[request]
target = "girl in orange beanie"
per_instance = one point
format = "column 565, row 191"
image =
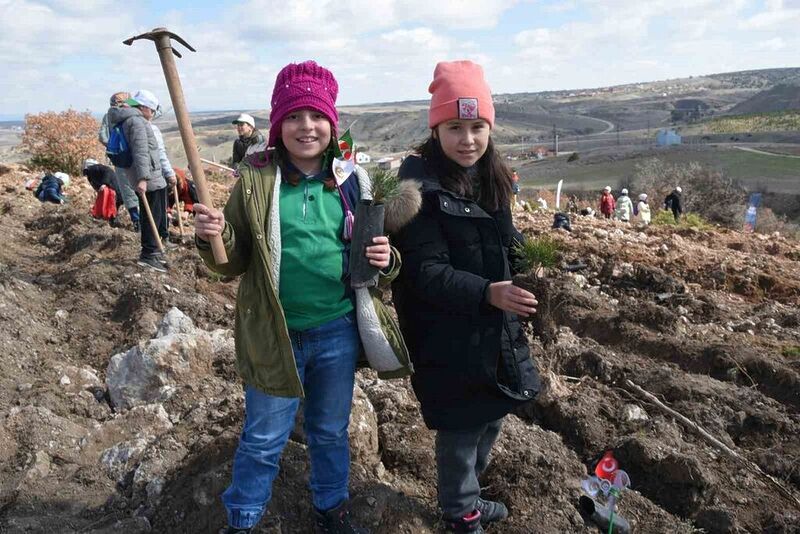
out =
column 454, row 298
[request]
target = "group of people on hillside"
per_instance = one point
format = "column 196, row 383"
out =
column 287, row 229
column 623, row 209
column 147, row 177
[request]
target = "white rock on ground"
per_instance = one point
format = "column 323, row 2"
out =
column 175, row 322
column 364, row 446
column 151, row 371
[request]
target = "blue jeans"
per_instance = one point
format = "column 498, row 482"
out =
column 326, row 360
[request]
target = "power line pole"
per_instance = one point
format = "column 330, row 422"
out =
column 555, row 140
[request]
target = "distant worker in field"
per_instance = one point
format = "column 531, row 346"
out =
column 50, row 188
column 248, row 136
column 624, row 209
column 126, row 192
column 572, row 204
column 514, row 187
column 674, row 202
column 643, row 209
column 607, row 203
column 187, row 192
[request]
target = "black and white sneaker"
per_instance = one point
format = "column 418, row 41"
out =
column 154, row 263
column 491, row 511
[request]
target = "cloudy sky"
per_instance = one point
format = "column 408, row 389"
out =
column 69, row 53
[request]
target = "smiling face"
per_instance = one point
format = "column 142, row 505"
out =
column 306, row 134
column 463, row 141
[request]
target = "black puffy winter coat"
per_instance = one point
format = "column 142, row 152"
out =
column 472, row 362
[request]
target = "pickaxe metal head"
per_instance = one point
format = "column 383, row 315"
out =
column 155, row 36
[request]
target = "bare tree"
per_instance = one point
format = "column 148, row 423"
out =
column 707, row 192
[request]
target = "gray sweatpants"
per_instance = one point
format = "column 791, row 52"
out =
column 461, row 457
column 129, row 197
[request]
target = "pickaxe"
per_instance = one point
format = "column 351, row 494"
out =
column 163, row 40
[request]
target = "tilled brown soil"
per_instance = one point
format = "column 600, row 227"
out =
column 708, row 321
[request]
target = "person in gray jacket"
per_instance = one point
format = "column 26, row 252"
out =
column 127, row 193
column 167, row 171
column 145, row 174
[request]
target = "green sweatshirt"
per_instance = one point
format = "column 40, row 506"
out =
column 312, row 253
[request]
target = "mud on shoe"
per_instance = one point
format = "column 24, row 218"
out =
column 491, row 511
column 336, row 521
column 469, row 523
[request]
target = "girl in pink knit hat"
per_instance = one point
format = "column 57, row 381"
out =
column 454, row 298
column 284, row 229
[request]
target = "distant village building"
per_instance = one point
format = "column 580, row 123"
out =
column 540, row 152
column 668, row 137
column 362, row 157
column 690, row 109
column 389, row 163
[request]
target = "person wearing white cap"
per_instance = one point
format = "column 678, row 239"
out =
column 145, row 173
column 607, row 203
column 624, row 209
column 674, row 202
column 643, row 209
column 248, row 136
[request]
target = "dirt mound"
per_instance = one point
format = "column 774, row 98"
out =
column 782, row 97
column 708, row 321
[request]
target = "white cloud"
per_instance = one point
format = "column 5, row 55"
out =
column 60, row 53
column 772, row 44
column 303, row 19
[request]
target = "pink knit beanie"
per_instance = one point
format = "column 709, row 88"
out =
column 302, row 85
column 459, row 92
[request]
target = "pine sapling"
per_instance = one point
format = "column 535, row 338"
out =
column 533, row 259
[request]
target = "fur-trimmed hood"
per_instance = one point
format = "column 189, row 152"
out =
column 400, row 209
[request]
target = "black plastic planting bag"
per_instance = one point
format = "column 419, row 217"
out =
column 368, row 224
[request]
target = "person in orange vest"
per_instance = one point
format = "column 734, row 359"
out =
column 187, row 193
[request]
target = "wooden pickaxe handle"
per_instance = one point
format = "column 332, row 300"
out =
column 151, row 221
column 162, row 37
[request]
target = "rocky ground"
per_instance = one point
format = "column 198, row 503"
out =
column 120, row 405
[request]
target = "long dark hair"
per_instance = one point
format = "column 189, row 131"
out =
column 494, row 174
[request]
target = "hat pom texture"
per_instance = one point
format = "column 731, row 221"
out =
column 302, row 85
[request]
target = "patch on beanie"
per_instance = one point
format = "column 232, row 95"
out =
column 467, row 108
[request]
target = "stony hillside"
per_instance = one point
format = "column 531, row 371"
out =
column 782, row 97
column 120, row 407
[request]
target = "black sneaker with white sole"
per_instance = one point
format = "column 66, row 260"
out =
column 154, row 263
column 491, row 511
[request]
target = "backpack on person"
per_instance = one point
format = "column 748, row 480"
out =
column 118, row 150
